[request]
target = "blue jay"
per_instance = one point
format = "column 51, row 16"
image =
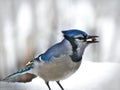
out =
column 61, row 60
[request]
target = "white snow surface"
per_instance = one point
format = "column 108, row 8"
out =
column 90, row 76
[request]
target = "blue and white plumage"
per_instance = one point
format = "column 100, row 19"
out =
column 61, row 60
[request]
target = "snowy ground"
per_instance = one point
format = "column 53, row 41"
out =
column 90, row 76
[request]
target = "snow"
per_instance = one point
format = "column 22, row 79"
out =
column 90, row 76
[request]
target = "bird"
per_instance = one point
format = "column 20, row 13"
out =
column 61, row 60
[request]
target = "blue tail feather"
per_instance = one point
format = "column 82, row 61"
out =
column 27, row 68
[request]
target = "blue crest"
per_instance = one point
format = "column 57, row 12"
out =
column 74, row 32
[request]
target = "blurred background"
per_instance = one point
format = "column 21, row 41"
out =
column 30, row 27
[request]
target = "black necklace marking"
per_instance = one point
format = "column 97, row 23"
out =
column 75, row 57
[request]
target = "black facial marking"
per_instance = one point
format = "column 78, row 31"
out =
column 72, row 42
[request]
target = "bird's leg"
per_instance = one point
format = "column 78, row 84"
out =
column 47, row 83
column 58, row 82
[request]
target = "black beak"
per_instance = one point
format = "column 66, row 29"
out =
column 92, row 39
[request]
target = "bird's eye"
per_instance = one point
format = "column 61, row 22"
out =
column 80, row 38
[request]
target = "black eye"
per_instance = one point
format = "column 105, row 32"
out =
column 80, row 38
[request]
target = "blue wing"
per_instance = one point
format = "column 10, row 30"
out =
column 55, row 51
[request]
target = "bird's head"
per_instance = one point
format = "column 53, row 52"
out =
column 79, row 37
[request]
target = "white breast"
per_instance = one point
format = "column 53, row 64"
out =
column 57, row 69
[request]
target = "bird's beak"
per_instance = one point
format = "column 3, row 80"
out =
column 92, row 39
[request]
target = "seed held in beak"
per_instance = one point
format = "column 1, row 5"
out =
column 93, row 38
